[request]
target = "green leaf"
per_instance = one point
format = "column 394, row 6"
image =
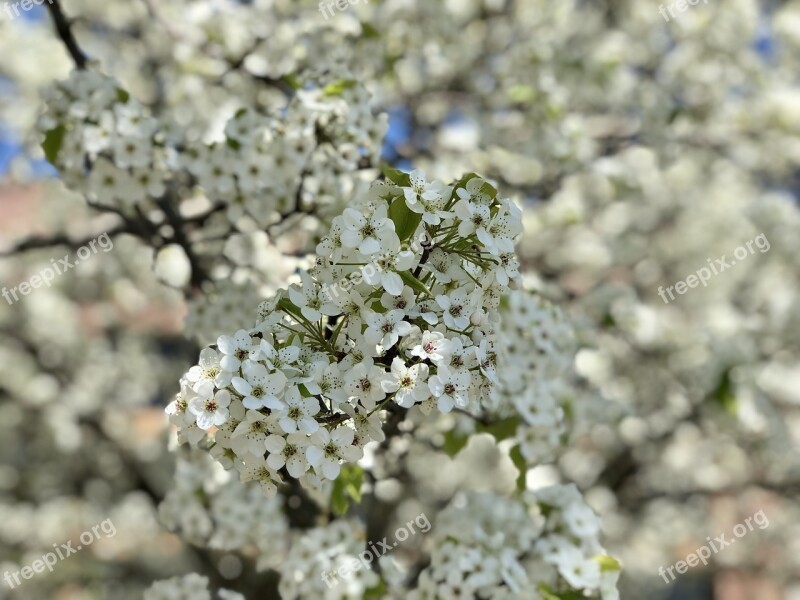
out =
column 466, row 243
column 608, row 563
column 546, row 509
column 522, row 467
column 396, row 176
column 286, row 305
column 724, row 394
column 368, row 31
column 292, row 81
column 53, row 140
column 377, row 592
column 522, row 93
column 465, row 180
column 346, row 487
column 501, row 430
column 676, row 112
column 122, row 95
column 337, row 88
column 405, row 220
column 549, row 594
column 452, row 539
column 232, row 143
column 414, row 283
column 454, row 442
column 201, row 495
column 554, row 111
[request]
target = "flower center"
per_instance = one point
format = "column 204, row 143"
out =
column 331, row 450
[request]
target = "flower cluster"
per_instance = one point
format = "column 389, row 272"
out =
column 261, row 165
column 219, row 306
column 209, row 508
column 108, row 147
column 536, row 348
column 323, row 550
column 569, row 541
column 104, row 143
column 189, row 586
column 545, row 547
column 303, row 391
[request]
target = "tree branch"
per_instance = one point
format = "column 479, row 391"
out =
column 64, row 30
column 59, row 239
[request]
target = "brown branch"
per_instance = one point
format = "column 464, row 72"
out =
column 64, row 30
column 59, row 239
column 199, row 273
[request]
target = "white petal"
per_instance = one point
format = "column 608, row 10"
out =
column 225, row 344
column 446, row 404
column 252, row 402
column 276, row 461
column 275, row 382
column 390, row 385
column 296, row 466
column 369, row 246
column 353, row 219
column 205, row 420
column 343, row 435
column 392, row 283
column 331, row 469
column 290, row 353
column 350, row 239
column 275, row 443
column 288, row 425
column 229, row 363
column 308, row 426
column 314, row 455
column 436, row 386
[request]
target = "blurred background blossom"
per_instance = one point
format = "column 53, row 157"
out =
column 636, row 148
